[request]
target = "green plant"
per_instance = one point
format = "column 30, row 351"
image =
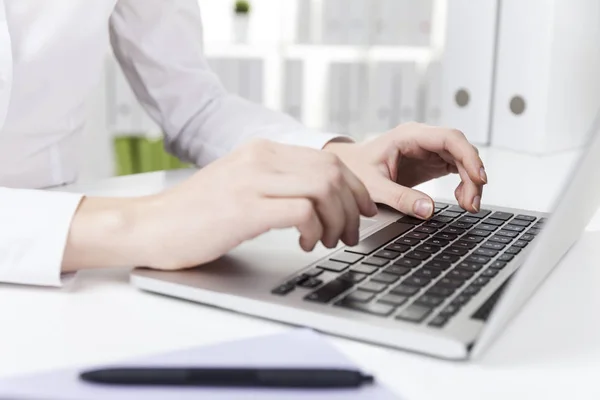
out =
column 242, row 7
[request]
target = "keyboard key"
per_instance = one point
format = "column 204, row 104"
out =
column 486, row 252
column 384, row 277
column 513, row 250
column 451, row 214
column 451, row 258
column 283, row 289
column 469, row 220
column 454, row 231
column 397, row 270
column 417, row 235
column 457, row 209
column 299, row 279
column 504, row 216
column 449, row 283
column 400, row 248
column 437, row 242
column 310, row 283
column 513, row 228
column 371, row 243
column 379, row 309
column 428, row 248
column 414, row 313
column 427, row 273
column 538, row 225
column 426, row 229
column 376, row 261
column 520, row 243
column 364, row 269
column 314, row 272
column 461, row 225
column 489, row 273
column 500, row 239
column 429, row 301
column 459, row 274
column 434, row 224
column 407, row 262
column 481, row 281
column 469, row 266
column 347, row 257
column 533, row 231
column 460, row 300
column 458, row 251
column 329, row 291
column 360, row 296
column 472, row 238
column 416, row 281
column 493, row 245
column 506, row 257
column 418, row 255
column 374, row 287
column 393, row 299
column 478, row 259
column 509, row 234
column 438, row 321
column 471, row 290
column 404, row 290
column 449, row 311
column 479, row 232
column 440, row 291
column 486, row 227
column 498, row 264
column 332, row 265
column 481, row 214
column 436, row 264
column 445, row 236
column 407, row 241
column 440, row 205
column 410, row 220
column 527, row 237
column 439, row 218
column 390, row 255
column 464, row 244
column 520, row 222
column 352, row 276
column 492, row 221
column 525, row 217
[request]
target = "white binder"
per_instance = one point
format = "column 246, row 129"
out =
column 468, row 67
column 335, row 22
column 357, row 88
column 380, row 98
column 548, row 74
column 293, row 93
column 432, row 93
column 408, row 83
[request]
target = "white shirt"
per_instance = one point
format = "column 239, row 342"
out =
column 51, row 56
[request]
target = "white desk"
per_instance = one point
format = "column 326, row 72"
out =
column 551, row 350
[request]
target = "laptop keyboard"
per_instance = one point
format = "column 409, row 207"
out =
column 421, row 271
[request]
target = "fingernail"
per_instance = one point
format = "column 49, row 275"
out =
column 483, row 175
column 374, row 209
column 423, row 208
column 477, row 203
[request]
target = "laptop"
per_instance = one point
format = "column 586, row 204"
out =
column 444, row 287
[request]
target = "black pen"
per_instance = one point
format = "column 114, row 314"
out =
column 230, row 377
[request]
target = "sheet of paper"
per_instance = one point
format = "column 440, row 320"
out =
column 299, row 348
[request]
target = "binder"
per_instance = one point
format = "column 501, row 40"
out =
column 357, row 22
column 250, row 78
column 303, row 21
column 548, row 84
column 432, row 93
column 293, row 95
column 334, row 22
column 356, row 83
column 337, row 115
column 407, row 84
column 468, row 67
column 382, row 90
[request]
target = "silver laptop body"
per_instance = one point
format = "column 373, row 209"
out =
column 250, row 279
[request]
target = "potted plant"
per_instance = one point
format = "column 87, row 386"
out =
column 241, row 20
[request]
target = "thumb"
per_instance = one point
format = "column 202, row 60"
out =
column 406, row 200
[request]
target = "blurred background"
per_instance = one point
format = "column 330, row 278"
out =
column 519, row 75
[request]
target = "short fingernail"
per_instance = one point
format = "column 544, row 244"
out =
column 423, row 208
column 483, row 175
column 477, row 203
column 374, row 209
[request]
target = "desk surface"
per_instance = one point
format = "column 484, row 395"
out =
column 551, row 350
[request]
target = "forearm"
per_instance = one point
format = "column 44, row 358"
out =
column 106, row 232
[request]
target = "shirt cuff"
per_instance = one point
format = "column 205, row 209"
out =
column 34, row 227
column 312, row 139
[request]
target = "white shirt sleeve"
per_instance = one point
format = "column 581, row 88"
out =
column 34, row 227
column 158, row 44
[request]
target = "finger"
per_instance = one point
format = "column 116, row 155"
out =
column 350, row 235
column 365, row 204
column 454, row 142
column 322, row 189
column 292, row 212
column 408, row 201
column 470, row 191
